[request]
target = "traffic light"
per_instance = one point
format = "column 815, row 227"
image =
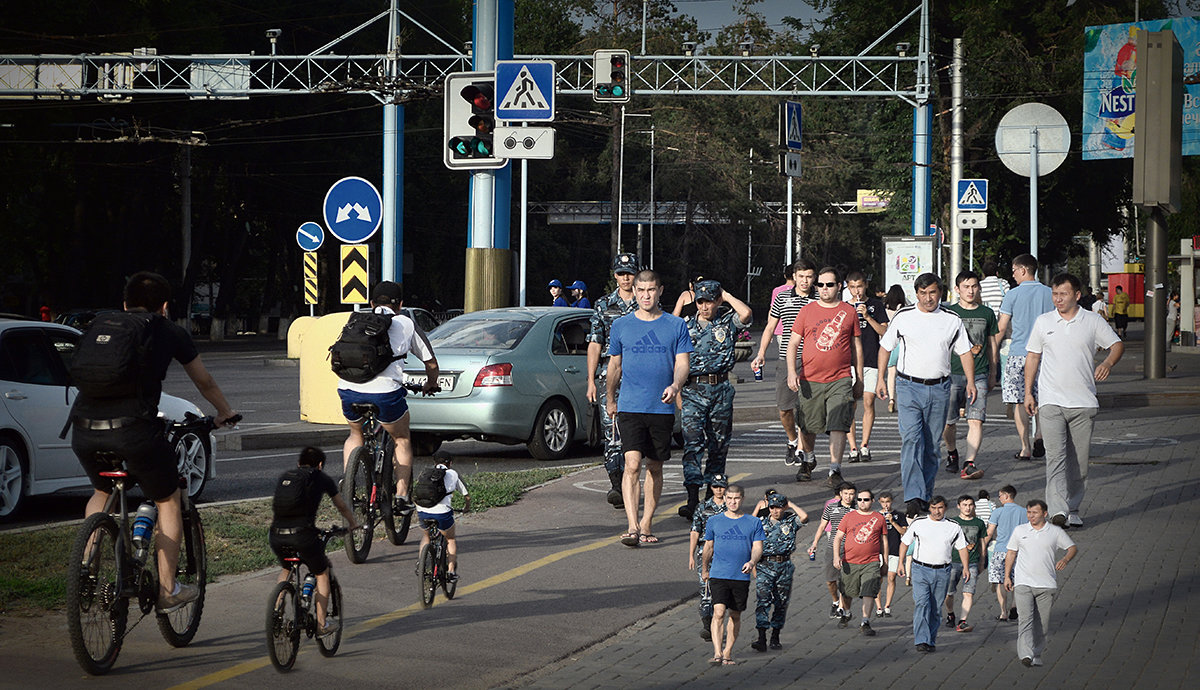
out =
column 610, row 76
column 470, row 120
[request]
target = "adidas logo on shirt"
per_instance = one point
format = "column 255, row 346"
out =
column 648, row 344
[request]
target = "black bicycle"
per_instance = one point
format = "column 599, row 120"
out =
column 291, row 610
column 105, row 571
column 433, row 565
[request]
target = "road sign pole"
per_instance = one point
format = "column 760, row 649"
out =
column 956, row 157
column 787, row 252
column 392, row 242
column 1033, row 192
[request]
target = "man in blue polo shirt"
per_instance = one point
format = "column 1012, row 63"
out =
column 1020, row 308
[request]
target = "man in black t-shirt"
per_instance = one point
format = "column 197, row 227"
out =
column 131, row 427
column 872, row 321
column 294, row 526
column 897, row 525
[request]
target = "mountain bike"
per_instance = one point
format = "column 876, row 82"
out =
column 433, row 565
column 291, row 611
column 105, row 573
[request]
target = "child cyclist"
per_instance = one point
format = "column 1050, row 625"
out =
column 294, row 525
column 433, row 503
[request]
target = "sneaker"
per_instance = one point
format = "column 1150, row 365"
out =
column 1037, row 661
column 451, row 577
column 866, row 629
column 855, row 455
column 616, row 499
column 952, row 462
column 1027, row 661
column 887, row 613
column 1012, row 614
column 804, row 474
column 835, row 479
column 331, row 626
column 879, row 613
column 971, row 471
column 864, row 454
column 844, row 622
column 964, row 626
column 835, row 611
column 950, row 619
column 792, row 457
column 402, row 505
column 1039, row 448
column 1060, row 520
column 1074, row 520
column 173, row 602
column 924, row 648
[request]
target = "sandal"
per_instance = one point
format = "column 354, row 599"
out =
column 1022, row 458
column 630, row 539
column 728, row 662
column 648, row 539
column 716, row 660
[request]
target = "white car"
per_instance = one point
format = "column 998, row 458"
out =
column 35, row 398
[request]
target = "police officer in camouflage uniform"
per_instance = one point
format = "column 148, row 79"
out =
column 773, row 587
column 608, row 309
column 713, row 506
column 708, row 396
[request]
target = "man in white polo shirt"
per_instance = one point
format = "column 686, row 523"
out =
column 1032, row 577
column 936, row 541
column 1064, row 341
column 925, row 334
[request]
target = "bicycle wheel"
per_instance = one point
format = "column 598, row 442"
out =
column 96, row 615
column 179, row 627
column 358, row 491
column 448, row 586
column 329, row 645
column 387, row 492
column 283, row 625
column 428, row 574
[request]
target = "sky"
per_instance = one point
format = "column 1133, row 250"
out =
column 716, row 14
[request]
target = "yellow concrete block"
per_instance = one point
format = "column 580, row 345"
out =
column 295, row 334
column 319, row 402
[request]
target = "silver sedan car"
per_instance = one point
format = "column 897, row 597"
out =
column 513, row 375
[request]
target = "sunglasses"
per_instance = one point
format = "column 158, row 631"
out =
column 826, row 284
column 863, row 500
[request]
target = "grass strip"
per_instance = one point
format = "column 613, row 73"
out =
column 32, row 580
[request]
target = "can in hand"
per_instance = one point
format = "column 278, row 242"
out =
column 812, row 556
column 758, row 374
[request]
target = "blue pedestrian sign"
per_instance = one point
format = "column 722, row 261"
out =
column 310, row 237
column 525, row 90
column 790, row 125
column 972, row 195
column 353, row 209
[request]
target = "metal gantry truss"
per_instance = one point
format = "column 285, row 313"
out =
column 121, row 76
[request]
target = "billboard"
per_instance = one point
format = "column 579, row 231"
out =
column 906, row 257
column 1109, row 77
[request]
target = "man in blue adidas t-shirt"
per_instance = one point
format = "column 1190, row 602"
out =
column 733, row 545
column 648, row 359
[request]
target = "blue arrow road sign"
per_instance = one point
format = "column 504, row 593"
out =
column 353, row 209
column 525, row 90
column 972, row 195
column 791, row 124
column 310, row 237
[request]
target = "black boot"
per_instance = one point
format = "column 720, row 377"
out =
column 760, row 645
column 775, row 639
column 686, row 511
column 614, row 494
column 706, row 628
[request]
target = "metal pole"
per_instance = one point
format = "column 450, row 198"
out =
column 524, row 223
column 956, row 155
column 971, row 258
column 749, row 277
column 787, row 250
column 645, row 4
column 621, row 179
column 1155, row 337
column 1033, row 192
column 391, row 240
column 651, row 189
column 483, row 182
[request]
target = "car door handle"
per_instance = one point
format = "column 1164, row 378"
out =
column 572, row 370
column 14, row 395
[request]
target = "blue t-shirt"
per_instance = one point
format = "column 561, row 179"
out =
column 1006, row 518
column 734, row 540
column 560, row 302
column 647, row 350
column 1024, row 303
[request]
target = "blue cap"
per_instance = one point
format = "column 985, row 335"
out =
column 708, row 290
column 777, row 501
column 554, row 283
column 579, row 285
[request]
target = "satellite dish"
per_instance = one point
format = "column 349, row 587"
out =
column 1015, row 138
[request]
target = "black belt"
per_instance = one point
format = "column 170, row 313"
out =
column 935, row 567
column 104, row 424
column 927, row 382
column 711, row 379
column 781, row 558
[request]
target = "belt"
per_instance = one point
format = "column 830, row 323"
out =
column 711, row 379
column 927, row 382
column 285, row 531
column 928, row 565
column 104, row 424
column 781, row 558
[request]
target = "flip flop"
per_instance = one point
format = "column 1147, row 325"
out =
column 728, row 662
column 630, row 539
column 1002, row 619
column 1022, row 458
column 716, row 660
column 648, row 539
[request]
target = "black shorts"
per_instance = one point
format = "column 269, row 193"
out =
column 304, row 544
column 1121, row 320
column 143, row 444
column 732, row 593
column 648, row 434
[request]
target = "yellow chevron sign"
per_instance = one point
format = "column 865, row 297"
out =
column 310, row 277
column 354, row 274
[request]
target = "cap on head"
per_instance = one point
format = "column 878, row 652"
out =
column 708, row 290
column 579, row 285
column 625, row 263
column 387, row 292
column 555, row 283
column 777, row 500
column 720, row 480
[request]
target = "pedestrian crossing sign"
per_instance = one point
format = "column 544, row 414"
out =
column 972, row 195
column 525, row 90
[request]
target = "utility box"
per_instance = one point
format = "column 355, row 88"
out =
column 1158, row 138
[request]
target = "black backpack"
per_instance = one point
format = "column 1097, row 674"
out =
column 291, row 493
column 113, row 359
column 363, row 350
column 430, row 487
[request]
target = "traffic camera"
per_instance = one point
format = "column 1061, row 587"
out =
column 609, row 76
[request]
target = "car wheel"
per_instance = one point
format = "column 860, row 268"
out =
column 424, row 445
column 194, row 454
column 553, row 431
column 13, row 470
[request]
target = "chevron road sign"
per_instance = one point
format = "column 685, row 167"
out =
column 354, row 274
column 310, row 277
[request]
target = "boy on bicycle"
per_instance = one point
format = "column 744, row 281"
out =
column 431, row 506
column 294, row 525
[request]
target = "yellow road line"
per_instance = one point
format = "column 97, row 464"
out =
column 370, row 624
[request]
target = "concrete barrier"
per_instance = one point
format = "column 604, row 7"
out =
column 295, row 335
column 319, row 401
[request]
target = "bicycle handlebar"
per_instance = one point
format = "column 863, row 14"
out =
column 418, row 388
column 202, row 424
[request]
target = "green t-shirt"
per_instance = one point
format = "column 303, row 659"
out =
column 974, row 530
column 981, row 325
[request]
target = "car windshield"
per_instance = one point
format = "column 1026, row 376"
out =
column 500, row 334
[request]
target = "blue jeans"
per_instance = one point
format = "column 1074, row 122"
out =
column 929, row 587
column 922, row 414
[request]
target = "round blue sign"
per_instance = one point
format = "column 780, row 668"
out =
column 353, row 209
column 310, row 237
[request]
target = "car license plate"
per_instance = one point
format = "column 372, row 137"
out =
column 444, row 381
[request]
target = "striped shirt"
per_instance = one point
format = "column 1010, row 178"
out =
column 784, row 307
column 983, row 509
column 834, row 512
column 991, row 292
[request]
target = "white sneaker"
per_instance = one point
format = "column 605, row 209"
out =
column 1074, row 520
column 1037, row 661
column 864, row 454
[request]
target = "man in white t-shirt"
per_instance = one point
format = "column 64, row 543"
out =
column 1032, row 577
column 1064, row 341
column 386, row 389
column 933, row 541
column 926, row 334
column 443, row 514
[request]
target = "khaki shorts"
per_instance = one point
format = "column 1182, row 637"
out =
column 785, row 398
column 859, row 580
column 826, row 407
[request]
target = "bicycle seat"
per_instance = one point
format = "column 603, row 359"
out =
column 114, row 460
column 365, row 408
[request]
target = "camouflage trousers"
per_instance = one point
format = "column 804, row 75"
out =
column 707, row 423
column 773, row 588
column 706, row 607
column 614, row 459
